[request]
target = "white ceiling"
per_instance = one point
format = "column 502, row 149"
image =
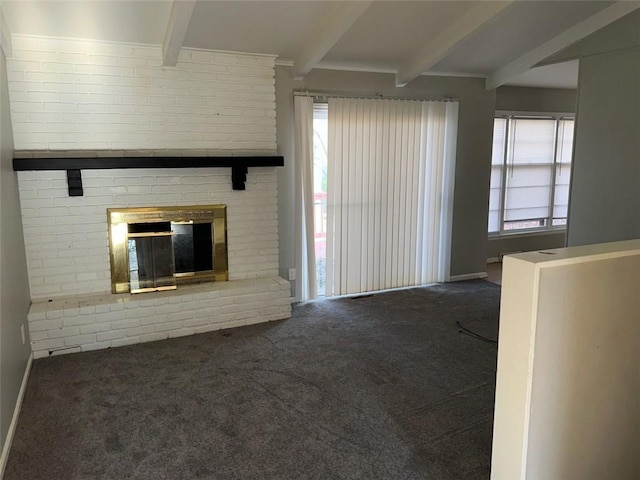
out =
column 499, row 40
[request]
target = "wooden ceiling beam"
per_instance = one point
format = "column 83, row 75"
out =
column 181, row 12
column 327, row 33
column 560, row 42
column 443, row 44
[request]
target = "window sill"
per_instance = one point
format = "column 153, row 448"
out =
column 529, row 233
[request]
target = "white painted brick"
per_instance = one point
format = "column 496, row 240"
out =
column 79, row 320
column 95, row 328
column 47, row 344
column 35, row 76
column 134, row 332
column 78, row 72
column 54, row 314
column 197, row 322
column 95, row 346
column 249, row 316
column 241, row 118
column 182, row 332
column 64, row 332
column 44, row 325
column 127, row 323
column 168, row 326
column 117, row 307
column 79, row 340
column 38, row 336
column 202, row 310
column 110, row 335
column 233, row 323
column 125, row 341
column 153, row 337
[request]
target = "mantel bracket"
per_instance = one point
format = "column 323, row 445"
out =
column 239, row 177
column 74, row 182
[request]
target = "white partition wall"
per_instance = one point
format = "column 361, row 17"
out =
column 568, row 379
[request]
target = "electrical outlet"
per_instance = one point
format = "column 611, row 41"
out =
column 292, row 274
column 24, row 338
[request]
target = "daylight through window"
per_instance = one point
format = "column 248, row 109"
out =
column 530, row 173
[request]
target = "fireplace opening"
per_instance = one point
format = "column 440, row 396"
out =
column 192, row 247
column 151, row 257
column 153, row 249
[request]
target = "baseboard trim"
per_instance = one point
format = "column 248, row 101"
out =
column 467, row 276
column 494, row 259
column 14, row 421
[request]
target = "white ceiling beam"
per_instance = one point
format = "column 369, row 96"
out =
column 179, row 19
column 327, row 33
column 444, row 43
column 5, row 36
column 562, row 41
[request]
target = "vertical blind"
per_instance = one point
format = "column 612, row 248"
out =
column 389, row 193
column 305, row 256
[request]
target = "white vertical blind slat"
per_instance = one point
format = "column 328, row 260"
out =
column 305, row 242
column 385, row 219
column 378, row 114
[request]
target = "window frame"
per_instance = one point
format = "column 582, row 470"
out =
column 504, row 168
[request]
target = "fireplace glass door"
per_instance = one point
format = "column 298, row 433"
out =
column 192, row 247
column 159, row 248
column 151, row 259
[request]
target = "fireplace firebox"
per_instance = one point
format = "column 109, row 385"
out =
column 154, row 249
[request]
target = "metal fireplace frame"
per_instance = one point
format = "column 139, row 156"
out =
column 119, row 218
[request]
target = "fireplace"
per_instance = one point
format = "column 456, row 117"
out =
column 71, row 255
column 155, row 249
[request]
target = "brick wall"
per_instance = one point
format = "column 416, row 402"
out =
column 111, row 98
column 76, row 324
column 68, row 94
column 67, row 239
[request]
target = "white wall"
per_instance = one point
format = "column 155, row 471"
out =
column 14, row 288
column 69, row 95
column 568, row 376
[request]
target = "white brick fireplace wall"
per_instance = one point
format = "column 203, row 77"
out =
column 86, row 95
column 66, row 237
column 113, row 99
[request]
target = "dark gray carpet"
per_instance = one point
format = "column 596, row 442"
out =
column 381, row 387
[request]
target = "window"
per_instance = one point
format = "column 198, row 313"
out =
column 530, row 173
column 320, row 151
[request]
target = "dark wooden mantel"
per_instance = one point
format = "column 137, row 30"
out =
column 73, row 166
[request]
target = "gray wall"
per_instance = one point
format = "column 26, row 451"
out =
column 604, row 203
column 526, row 99
column 14, row 287
column 475, row 126
column 498, row 246
column 619, row 35
column 605, row 193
